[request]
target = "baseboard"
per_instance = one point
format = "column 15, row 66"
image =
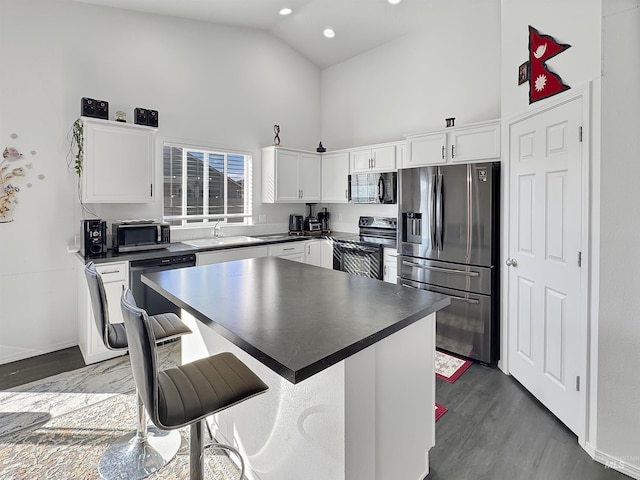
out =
column 24, row 353
column 619, row 464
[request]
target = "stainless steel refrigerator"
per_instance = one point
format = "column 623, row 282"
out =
column 448, row 242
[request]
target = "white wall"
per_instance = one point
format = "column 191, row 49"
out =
column 618, row 400
column 212, row 85
column 450, row 68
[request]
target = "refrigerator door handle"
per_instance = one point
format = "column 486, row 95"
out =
column 472, row 301
column 439, row 213
column 440, row 269
column 432, row 214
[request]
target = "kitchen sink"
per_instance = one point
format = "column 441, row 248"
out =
column 216, row 242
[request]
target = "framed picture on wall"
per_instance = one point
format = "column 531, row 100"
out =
column 523, row 73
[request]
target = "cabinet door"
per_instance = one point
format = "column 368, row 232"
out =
column 335, row 177
column 426, row 150
column 287, row 176
column 390, row 265
column 287, row 249
column 326, row 255
column 310, row 176
column 360, row 160
column 475, row 144
column 313, row 253
column 384, row 158
column 118, row 163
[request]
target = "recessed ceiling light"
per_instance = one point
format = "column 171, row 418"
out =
column 285, row 11
column 394, row 2
column 329, row 33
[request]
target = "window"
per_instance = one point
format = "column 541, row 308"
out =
column 204, row 185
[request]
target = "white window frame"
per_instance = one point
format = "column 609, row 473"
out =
column 187, row 220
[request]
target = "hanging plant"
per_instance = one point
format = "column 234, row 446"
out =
column 78, row 141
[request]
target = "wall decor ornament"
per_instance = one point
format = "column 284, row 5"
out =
column 10, row 172
column 276, row 139
column 543, row 83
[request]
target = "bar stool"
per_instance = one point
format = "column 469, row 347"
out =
column 142, row 452
column 187, row 394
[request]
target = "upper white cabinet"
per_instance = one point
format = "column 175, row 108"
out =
column 335, row 173
column 373, row 159
column 290, row 176
column 473, row 143
column 118, row 162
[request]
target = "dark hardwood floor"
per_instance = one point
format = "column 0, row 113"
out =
column 36, row 368
column 494, row 429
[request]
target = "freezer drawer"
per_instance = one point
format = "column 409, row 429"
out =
column 445, row 274
column 464, row 327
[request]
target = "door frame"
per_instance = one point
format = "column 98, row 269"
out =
column 584, row 93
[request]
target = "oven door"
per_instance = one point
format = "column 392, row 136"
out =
column 358, row 259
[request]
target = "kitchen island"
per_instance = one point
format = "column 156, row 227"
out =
column 348, row 360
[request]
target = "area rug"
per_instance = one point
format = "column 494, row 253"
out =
column 440, row 410
column 449, row 368
column 58, row 428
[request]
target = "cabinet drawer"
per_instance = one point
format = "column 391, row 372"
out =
column 113, row 272
column 289, row 248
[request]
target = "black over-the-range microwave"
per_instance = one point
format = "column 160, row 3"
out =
column 373, row 187
column 131, row 236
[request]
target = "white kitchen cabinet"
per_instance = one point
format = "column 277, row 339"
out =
column 390, row 265
column 474, row 143
column 230, row 254
column 319, row 253
column 115, row 277
column 373, row 159
column 118, row 162
column 290, row 250
column 335, row 177
column 290, row 176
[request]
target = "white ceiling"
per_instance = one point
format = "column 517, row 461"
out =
column 360, row 25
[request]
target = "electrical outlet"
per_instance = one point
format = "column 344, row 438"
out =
column 262, row 219
column 339, row 217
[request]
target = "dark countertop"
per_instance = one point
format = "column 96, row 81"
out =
column 296, row 319
column 177, row 249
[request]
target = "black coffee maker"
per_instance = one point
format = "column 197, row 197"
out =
column 323, row 218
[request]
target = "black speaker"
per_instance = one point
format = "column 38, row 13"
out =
column 88, row 107
column 152, row 118
column 141, row 116
column 94, row 238
column 102, row 109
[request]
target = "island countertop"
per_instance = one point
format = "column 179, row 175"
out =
column 296, row 319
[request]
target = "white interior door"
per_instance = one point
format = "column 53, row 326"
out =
column 547, row 331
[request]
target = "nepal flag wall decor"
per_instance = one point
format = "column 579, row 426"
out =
column 543, row 83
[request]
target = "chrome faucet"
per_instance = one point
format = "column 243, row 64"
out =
column 216, row 230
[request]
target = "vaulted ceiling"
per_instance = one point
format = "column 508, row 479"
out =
column 359, row 25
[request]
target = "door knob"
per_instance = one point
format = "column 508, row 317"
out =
column 511, row 262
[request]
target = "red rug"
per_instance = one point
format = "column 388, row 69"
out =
column 449, row 368
column 440, row 410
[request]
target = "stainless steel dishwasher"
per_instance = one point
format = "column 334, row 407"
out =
column 146, row 298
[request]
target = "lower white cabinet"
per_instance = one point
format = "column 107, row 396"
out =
column 228, row 255
column 319, row 253
column 115, row 277
column 290, row 250
column 390, row 265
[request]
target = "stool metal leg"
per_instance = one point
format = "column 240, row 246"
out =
column 140, row 453
column 223, row 446
column 196, row 453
